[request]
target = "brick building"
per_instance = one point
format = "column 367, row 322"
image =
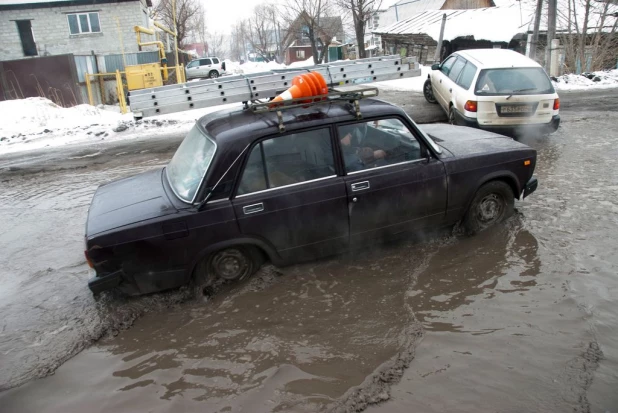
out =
column 31, row 28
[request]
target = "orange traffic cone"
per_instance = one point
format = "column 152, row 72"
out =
column 305, row 85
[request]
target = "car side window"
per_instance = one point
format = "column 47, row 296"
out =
column 194, row 63
column 456, row 69
column 289, row 159
column 467, row 75
column 377, row 143
column 205, row 62
column 215, row 61
column 445, row 67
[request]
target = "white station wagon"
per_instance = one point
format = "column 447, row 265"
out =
column 494, row 89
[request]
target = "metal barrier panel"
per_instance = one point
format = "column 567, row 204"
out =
column 52, row 77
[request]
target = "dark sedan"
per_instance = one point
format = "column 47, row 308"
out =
column 239, row 191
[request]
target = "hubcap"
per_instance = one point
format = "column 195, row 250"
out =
column 428, row 91
column 490, row 208
column 230, row 264
column 214, row 75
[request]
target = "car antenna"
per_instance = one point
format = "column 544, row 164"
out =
column 212, row 190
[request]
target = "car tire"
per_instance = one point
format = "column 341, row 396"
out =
column 428, row 92
column 492, row 204
column 229, row 264
column 452, row 120
column 213, row 74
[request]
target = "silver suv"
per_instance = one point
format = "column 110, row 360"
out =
column 205, row 67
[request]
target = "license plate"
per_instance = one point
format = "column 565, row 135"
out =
column 516, row 109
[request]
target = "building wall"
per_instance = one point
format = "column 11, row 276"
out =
column 51, row 30
column 291, row 56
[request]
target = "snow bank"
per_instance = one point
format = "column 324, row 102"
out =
column 251, row 67
column 595, row 80
column 302, row 63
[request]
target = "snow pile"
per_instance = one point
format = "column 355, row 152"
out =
column 236, row 68
column 35, row 123
column 38, row 115
column 595, row 80
column 408, row 84
column 302, row 63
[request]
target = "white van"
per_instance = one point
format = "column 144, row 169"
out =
column 494, row 89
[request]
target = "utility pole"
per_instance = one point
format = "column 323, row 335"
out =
column 535, row 33
column 436, row 57
column 551, row 32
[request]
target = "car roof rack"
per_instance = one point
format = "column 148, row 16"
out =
column 258, row 87
column 342, row 95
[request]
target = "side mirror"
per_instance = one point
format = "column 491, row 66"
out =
column 435, row 66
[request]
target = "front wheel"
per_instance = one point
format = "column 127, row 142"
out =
column 229, row 264
column 428, row 92
column 492, row 204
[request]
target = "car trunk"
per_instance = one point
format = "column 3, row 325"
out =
column 517, row 110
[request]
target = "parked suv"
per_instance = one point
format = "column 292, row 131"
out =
column 205, row 67
column 494, row 89
column 240, row 190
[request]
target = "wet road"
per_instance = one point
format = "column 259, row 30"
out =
column 521, row 318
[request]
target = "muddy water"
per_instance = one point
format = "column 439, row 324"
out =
column 47, row 313
column 521, row 318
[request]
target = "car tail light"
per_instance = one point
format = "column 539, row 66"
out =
column 90, row 264
column 470, row 106
column 556, row 104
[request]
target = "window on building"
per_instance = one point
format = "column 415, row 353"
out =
column 300, row 54
column 84, row 23
column 24, row 27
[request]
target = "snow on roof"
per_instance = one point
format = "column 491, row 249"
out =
column 497, row 24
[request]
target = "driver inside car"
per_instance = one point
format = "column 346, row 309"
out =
column 357, row 153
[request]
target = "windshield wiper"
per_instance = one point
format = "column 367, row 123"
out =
column 528, row 89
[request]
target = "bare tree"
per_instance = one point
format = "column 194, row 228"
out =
column 361, row 11
column 200, row 34
column 589, row 33
column 261, row 31
column 315, row 20
column 237, row 42
column 216, row 45
column 188, row 14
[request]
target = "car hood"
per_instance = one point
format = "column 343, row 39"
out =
column 464, row 141
column 128, row 201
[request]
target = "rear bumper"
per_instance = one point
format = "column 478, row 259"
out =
column 105, row 282
column 550, row 127
column 531, row 186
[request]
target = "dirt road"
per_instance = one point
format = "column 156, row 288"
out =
column 521, row 318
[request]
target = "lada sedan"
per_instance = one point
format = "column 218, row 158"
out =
column 239, row 191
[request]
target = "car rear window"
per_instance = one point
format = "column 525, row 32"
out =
column 215, row 60
column 513, row 81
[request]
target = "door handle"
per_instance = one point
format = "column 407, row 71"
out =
column 360, row 186
column 440, row 80
column 450, row 90
column 253, row 208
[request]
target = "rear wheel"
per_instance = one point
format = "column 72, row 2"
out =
column 492, row 203
column 213, row 74
column 229, row 264
column 428, row 92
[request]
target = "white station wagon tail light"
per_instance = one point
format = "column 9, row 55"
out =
column 556, row 104
column 471, row 106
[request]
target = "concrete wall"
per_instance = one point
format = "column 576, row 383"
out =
column 51, row 30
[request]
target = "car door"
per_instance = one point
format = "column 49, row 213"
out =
column 438, row 80
column 204, row 69
column 394, row 184
column 449, row 85
column 464, row 81
column 290, row 196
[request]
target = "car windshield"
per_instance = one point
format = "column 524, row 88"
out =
column 513, row 81
column 193, row 63
column 190, row 163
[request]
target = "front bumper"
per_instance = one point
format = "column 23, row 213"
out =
column 550, row 127
column 105, row 282
column 531, row 186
